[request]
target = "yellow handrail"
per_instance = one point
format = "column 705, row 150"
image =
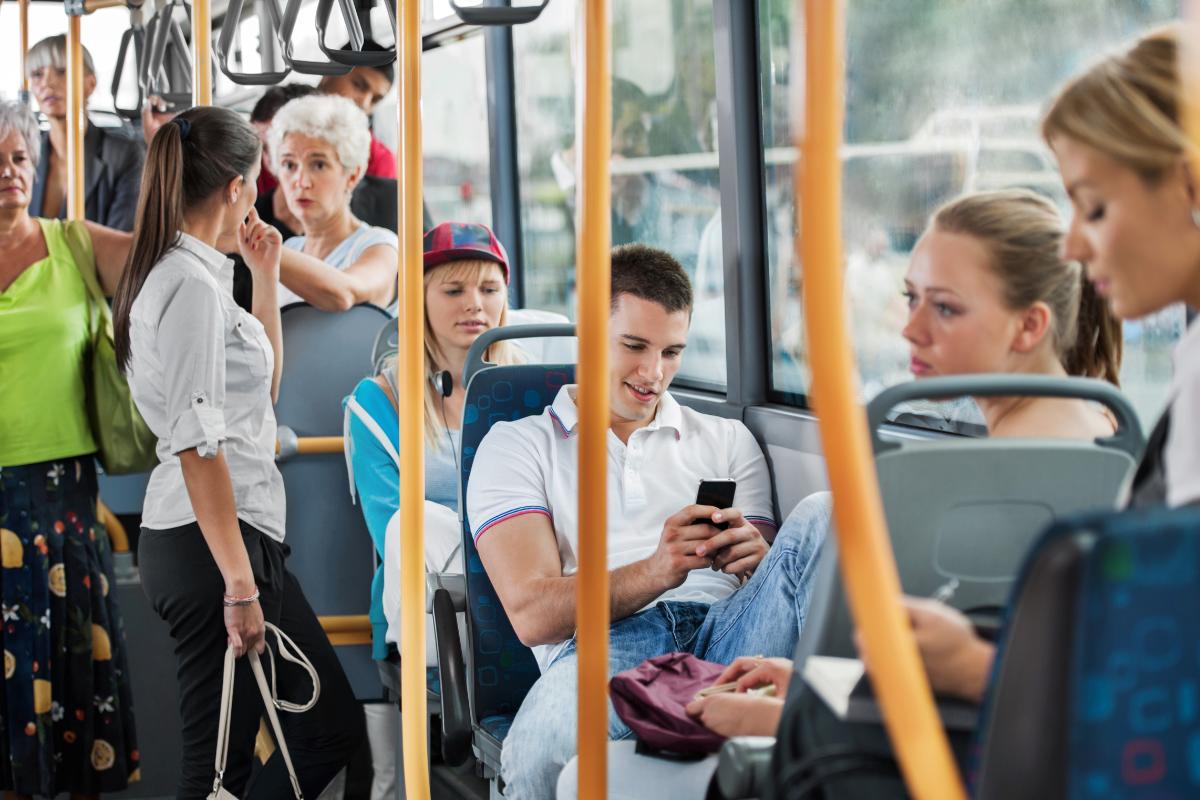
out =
column 868, row 564
column 76, row 119
column 201, row 53
column 1189, row 72
column 411, row 402
column 25, row 51
column 349, row 629
column 116, row 531
column 593, row 269
column 317, row 444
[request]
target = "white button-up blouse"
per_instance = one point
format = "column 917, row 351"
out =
column 200, row 374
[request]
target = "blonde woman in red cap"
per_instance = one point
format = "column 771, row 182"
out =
column 466, row 291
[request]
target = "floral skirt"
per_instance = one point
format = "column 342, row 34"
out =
column 66, row 712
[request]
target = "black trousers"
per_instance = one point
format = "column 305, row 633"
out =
column 184, row 585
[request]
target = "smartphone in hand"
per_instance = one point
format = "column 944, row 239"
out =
column 717, row 492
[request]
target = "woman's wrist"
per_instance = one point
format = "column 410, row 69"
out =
column 240, row 586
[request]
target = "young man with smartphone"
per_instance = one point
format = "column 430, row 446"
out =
column 677, row 581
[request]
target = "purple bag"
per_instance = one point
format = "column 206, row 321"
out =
column 651, row 697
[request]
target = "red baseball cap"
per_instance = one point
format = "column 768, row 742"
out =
column 456, row 241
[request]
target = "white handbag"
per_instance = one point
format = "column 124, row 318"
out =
column 270, row 701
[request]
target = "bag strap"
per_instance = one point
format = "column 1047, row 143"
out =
column 271, row 702
column 79, row 242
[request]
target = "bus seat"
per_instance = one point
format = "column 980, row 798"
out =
column 123, row 494
column 963, row 512
column 499, row 669
column 1094, row 686
column 326, row 355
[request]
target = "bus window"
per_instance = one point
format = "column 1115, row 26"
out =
column 665, row 186
column 941, row 98
column 454, row 132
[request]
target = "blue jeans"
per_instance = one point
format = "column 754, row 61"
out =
column 762, row 617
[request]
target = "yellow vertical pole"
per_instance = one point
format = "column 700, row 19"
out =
column 1189, row 72
column 76, row 118
column 201, row 53
column 24, row 46
column 412, row 402
column 594, row 132
column 868, row 564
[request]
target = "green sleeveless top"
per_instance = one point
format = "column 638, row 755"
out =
column 43, row 348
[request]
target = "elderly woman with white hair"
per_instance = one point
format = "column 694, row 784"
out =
column 320, row 145
column 66, row 705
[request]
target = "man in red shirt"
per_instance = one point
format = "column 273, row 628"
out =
column 366, row 86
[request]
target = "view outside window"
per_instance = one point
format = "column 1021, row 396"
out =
column 454, row 132
column 665, row 187
column 942, row 98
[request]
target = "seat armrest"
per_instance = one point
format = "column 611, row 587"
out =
column 454, row 584
column 452, row 674
column 744, row 765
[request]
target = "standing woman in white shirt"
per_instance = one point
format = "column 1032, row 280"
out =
column 204, row 374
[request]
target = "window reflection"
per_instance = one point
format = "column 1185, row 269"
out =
column 454, row 132
column 665, row 187
column 942, row 98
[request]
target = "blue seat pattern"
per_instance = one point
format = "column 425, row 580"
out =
column 1136, row 717
column 504, row 668
column 498, row 725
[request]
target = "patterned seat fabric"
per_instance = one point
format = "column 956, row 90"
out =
column 504, row 669
column 1136, row 721
column 497, row 726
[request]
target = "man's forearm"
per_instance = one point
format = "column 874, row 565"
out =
column 551, row 607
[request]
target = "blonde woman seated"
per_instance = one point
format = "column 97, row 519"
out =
column 320, row 146
column 466, row 286
column 987, row 293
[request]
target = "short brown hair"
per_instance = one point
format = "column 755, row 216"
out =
column 651, row 274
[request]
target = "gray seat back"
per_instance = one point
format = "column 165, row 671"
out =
column 325, row 356
column 962, row 513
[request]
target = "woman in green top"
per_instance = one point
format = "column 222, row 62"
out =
column 66, row 714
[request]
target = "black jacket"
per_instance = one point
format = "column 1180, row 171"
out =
column 112, row 178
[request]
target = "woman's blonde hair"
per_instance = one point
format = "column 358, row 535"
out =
column 1022, row 232
column 1127, row 106
column 504, row 353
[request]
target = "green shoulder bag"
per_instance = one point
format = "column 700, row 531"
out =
column 125, row 443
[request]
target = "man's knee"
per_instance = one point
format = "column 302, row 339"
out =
column 808, row 525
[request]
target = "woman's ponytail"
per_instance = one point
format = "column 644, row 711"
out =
column 157, row 223
column 1096, row 352
column 190, row 160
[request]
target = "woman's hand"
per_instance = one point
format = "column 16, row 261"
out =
column 752, row 671
column 956, row 659
column 738, row 714
column 260, row 246
column 246, row 629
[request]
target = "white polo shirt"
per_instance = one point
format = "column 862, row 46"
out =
column 530, row 467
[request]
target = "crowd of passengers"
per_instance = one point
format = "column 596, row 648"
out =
column 998, row 283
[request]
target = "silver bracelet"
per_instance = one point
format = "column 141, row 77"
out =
column 230, row 602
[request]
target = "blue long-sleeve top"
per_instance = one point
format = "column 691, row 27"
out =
column 377, row 478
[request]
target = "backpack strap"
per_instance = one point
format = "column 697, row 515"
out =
column 355, row 408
